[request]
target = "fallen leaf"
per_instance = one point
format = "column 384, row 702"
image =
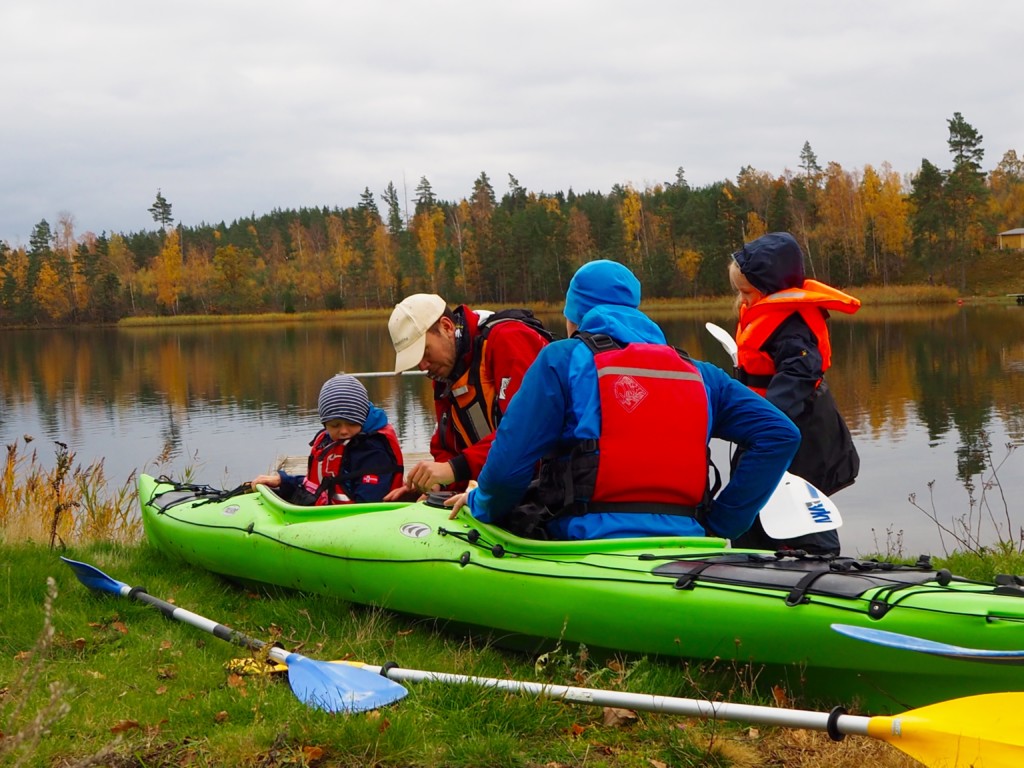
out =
column 23, row 656
column 779, row 694
column 221, row 717
column 120, row 627
column 753, row 733
column 577, row 729
column 657, row 763
column 78, row 643
column 235, row 680
column 124, row 725
column 616, row 717
column 161, row 690
column 383, row 725
column 165, row 645
column 312, row 753
column 168, row 672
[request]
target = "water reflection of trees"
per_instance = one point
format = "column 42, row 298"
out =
column 952, row 369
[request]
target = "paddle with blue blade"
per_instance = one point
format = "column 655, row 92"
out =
column 327, row 686
column 921, row 645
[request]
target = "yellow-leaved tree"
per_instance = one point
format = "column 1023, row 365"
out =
column 121, row 264
column 631, row 212
column 50, row 294
column 169, row 272
column 428, row 229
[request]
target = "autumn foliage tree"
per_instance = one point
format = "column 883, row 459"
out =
column 855, row 225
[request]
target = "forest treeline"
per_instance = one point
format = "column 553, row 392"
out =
column 857, row 227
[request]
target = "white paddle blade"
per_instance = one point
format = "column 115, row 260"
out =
column 725, row 339
column 797, row 508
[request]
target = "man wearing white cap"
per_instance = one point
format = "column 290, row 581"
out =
column 477, row 361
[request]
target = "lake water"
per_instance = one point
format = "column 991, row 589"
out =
column 933, row 398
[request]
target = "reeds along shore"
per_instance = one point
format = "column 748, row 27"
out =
column 65, row 504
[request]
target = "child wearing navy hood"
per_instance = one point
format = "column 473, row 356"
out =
column 354, row 458
column 783, row 352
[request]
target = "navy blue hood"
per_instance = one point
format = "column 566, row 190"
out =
column 772, row 262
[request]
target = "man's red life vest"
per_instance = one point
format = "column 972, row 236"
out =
column 653, row 447
column 324, row 477
column 760, row 320
column 474, row 396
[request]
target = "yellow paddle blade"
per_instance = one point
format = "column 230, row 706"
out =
column 973, row 732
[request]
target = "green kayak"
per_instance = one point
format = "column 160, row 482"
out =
column 769, row 617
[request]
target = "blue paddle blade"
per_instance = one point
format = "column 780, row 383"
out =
column 340, row 687
column 94, row 578
column 920, row 645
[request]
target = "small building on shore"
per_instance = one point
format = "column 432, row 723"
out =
column 1012, row 239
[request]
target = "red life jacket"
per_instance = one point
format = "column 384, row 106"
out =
column 759, row 321
column 653, row 448
column 324, row 476
column 474, row 396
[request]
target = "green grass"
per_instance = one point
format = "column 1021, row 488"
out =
column 118, row 684
column 94, row 679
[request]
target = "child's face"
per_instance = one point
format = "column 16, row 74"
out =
column 748, row 293
column 340, row 429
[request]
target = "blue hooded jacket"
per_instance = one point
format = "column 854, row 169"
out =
column 558, row 405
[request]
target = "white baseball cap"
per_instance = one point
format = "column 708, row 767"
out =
column 408, row 326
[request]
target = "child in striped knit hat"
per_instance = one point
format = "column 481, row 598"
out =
column 354, row 458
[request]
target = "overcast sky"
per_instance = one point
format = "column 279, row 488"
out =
column 233, row 107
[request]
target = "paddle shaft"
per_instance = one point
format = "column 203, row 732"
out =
column 201, row 622
column 378, row 374
column 749, row 713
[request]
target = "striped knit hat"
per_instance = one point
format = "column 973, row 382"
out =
column 343, row 397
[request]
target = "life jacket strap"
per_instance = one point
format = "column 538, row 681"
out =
column 752, row 380
column 646, row 508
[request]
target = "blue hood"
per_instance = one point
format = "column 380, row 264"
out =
column 623, row 324
column 772, row 262
column 376, row 420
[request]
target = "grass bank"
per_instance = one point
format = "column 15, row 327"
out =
column 89, row 679
column 112, row 682
column 869, row 295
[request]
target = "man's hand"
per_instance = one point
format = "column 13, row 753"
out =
column 456, row 502
column 429, row 476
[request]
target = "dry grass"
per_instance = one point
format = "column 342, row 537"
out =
column 68, row 503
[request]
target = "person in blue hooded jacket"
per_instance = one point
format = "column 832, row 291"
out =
column 620, row 422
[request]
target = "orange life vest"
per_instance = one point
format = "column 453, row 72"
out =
column 475, row 410
column 759, row 321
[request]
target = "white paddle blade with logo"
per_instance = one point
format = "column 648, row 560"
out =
column 797, row 508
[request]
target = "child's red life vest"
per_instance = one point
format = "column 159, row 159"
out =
column 325, row 476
